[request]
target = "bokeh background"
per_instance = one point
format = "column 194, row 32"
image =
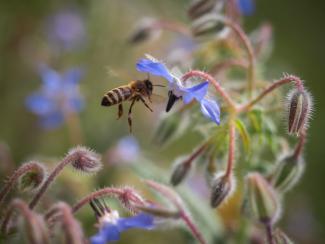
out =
column 107, row 60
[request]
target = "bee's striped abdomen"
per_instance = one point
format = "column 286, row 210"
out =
column 116, row 96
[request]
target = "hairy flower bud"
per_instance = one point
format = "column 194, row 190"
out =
column 299, row 108
column 208, row 24
column 33, row 178
column 84, row 159
column 180, row 171
column 222, row 187
column 280, row 237
column 199, row 8
column 144, row 31
column 287, row 173
column 262, row 199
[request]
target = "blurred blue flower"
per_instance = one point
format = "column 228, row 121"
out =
column 66, row 29
column 177, row 90
column 111, row 226
column 58, row 96
column 246, row 7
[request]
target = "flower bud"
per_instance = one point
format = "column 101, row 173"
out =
column 298, row 110
column 287, row 173
column 33, row 178
column 280, row 237
column 84, row 160
column 222, row 186
column 144, row 31
column 208, row 24
column 180, row 171
column 262, row 199
column 201, row 7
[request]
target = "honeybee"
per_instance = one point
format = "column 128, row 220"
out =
column 135, row 91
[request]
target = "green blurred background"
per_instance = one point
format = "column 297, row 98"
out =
column 298, row 48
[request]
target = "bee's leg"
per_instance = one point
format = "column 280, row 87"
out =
column 120, row 111
column 145, row 104
column 130, row 114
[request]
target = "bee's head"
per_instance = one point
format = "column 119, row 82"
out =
column 149, row 85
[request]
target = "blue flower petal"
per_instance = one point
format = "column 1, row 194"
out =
column 40, row 104
column 154, row 68
column 73, row 76
column 143, row 221
column 51, row 79
column 109, row 232
column 211, row 110
column 52, row 120
column 196, row 92
column 246, row 7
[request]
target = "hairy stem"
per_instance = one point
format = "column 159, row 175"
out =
column 171, row 26
column 55, row 172
column 125, row 193
column 197, row 152
column 195, row 231
column 278, row 83
column 269, row 234
column 36, row 229
column 300, row 145
column 250, row 52
column 205, row 76
column 231, row 149
column 25, row 168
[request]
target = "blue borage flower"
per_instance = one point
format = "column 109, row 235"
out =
column 111, row 225
column 246, row 7
column 209, row 108
column 58, row 96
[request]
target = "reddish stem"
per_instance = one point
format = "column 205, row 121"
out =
column 171, row 26
column 285, row 80
column 231, row 149
column 269, row 234
column 192, row 227
column 55, row 172
column 197, row 153
column 250, row 52
column 300, row 145
column 109, row 191
column 23, row 169
column 205, row 76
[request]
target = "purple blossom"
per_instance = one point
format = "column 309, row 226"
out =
column 111, row 225
column 178, row 90
column 58, row 96
column 66, row 29
column 246, row 7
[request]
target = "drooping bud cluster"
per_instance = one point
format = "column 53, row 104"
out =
column 144, row 31
column 202, row 7
column 222, row 186
column 262, row 199
column 208, row 24
column 180, row 171
column 299, row 110
column 84, row 160
column 287, row 173
column 33, row 178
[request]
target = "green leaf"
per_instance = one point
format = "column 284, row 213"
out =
column 244, row 135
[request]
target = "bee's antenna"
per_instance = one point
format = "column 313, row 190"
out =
column 159, row 85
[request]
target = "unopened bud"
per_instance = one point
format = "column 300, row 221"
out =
column 208, row 24
column 84, row 159
column 144, row 31
column 262, row 199
column 222, row 186
column 298, row 111
column 199, row 8
column 33, row 178
column 280, row 237
column 180, row 171
column 287, row 173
